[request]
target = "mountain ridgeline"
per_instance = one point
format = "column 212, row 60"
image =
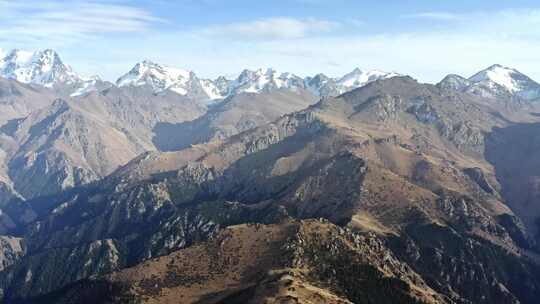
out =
column 164, row 187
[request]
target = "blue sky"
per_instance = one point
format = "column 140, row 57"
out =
column 425, row 39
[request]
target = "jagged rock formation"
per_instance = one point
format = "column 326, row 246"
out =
column 11, row 250
column 162, row 78
column 45, row 68
column 42, row 67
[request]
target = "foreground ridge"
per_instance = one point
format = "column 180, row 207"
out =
column 307, row 262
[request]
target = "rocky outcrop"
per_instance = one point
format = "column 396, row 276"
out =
column 451, row 262
column 11, row 250
column 300, row 261
column 33, row 277
column 477, row 175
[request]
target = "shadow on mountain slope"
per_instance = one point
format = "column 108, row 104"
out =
column 513, row 151
column 175, row 137
column 236, row 114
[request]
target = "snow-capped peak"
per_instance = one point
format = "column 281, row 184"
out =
column 500, row 75
column 163, row 78
column 86, row 86
column 40, row 67
column 509, row 79
column 159, row 77
column 264, row 80
column 497, row 81
column 454, row 82
column 358, row 78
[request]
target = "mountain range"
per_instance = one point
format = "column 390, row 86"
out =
column 45, row 68
column 268, row 188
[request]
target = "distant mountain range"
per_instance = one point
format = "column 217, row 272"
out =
column 47, row 69
column 186, row 83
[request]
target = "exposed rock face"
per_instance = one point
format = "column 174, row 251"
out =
column 451, row 264
column 477, row 175
column 323, row 85
column 11, row 250
column 96, row 257
column 454, row 83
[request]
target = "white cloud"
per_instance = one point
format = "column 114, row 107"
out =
column 445, row 16
column 269, row 29
column 34, row 21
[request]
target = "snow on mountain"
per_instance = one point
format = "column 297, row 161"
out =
column 223, row 85
column 44, row 68
column 500, row 75
column 358, row 78
column 454, row 82
column 86, row 86
column 41, row 67
column 323, row 85
column 497, row 81
column 212, row 90
column 264, row 80
column 162, row 78
column 47, row 69
column 159, row 77
column 510, row 79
